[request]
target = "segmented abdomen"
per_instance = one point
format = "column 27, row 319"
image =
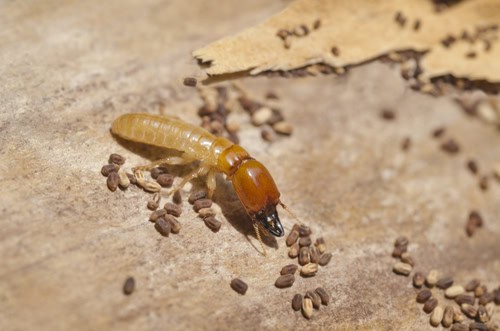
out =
column 167, row 132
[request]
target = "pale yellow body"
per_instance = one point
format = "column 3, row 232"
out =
column 169, row 132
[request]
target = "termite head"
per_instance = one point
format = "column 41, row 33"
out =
column 259, row 195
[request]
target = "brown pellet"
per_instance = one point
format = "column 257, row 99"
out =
column 132, row 178
column 116, row 159
column 401, row 268
column 483, row 183
column 406, row 144
column 448, row 41
column 239, row 286
column 314, row 254
column 407, row 258
column 272, row 95
column 325, row 259
column 444, row 283
column 309, row 270
column 268, row 134
column 474, row 221
column 398, row 251
column 325, row 297
column 173, row 209
column 315, row 298
column 305, row 241
column 190, row 81
column 304, row 257
column 307, row 308
column 206, row 212
column 469, row 310
column 480, row 290
column 472, row 285
column 175, row 226
column 482, row 314
column 416, row 25
column 437, row 316
column 282, row 33
column 289, row 269
column 470, row 55
column 109, row 168
column 465, row 298
column 447, row 316
column 436, row 133
column 297, row 302
column 157, row 214
column 388, row 114
column 304, row 230
column 472, row 166
column 454, row 291
column 450, row 146
column 424, row 295
column 418, row 279
column 113, row 181
column 165, row 180
column 202, row 203
column 163, row 227
column 430, row 305
column 129, row 286
column 293, row 252
column 476, row 326
column 432, row 278
column 320, row 245
column 486, row 298
column 284, row 281
column 197, row 195
column 401, row 241
column 459, row 327
column 335, row 51
column 248, row 105
column 177, row 197
column 154, row 203
column 283, row 128
column 316, row 24
column 156, row 171
column 212, row 223
column 292, row 238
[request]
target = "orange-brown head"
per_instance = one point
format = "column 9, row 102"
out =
column 254, row 186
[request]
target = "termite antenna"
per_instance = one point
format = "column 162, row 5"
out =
column 291, row 213
column 257, row 233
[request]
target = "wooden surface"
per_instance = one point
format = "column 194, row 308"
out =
column 67, row 244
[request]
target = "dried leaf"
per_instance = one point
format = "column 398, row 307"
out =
column 356, row 31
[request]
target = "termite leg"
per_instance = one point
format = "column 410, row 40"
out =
column 257, row 233
column 171, row 160
column 201, row 171
column 211, row 183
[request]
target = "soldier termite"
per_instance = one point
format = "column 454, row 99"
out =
column 252, row 182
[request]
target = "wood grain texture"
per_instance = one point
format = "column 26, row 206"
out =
column 67, row 244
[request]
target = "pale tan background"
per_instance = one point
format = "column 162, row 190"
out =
column 67, row 69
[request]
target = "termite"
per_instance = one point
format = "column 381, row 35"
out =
column 252, row 182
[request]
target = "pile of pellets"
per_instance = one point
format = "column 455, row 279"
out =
column 309, row 258
column 222, row 101
column 469, row 307
column 449, row 145
column 165, row 219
